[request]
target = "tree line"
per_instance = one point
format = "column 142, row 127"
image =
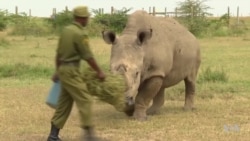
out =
column 197, row 20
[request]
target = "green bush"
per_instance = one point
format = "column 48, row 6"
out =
column 60, row 20
column 197, row 21
column 195, row 16
column 3, row 20
column 221, row 27
column 217, row 27
column 94, row 29
column 65, row 18
column 237, row 30
column 115, row 22
column 209, row 75
column 99, row 22
column 25, row 25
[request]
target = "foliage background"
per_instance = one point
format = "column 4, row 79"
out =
column 195, row 18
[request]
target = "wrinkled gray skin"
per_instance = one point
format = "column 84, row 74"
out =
column 153, row 53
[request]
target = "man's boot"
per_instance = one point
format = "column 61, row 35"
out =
column 54, row 132
column 90, row 135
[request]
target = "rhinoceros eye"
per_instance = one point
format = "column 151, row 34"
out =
column 136, row 74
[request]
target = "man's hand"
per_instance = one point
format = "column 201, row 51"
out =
column 55, row 77
column 101, row 76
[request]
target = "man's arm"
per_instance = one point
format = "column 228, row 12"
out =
column 55, row 77
column 91, row 61
column 57, row 61
column 86, row 54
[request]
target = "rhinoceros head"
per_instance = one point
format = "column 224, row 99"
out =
column 127, row 55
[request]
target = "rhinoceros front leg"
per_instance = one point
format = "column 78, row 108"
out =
column 146, row 93
column 189, row 93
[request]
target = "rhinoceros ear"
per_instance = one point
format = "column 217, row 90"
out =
column 109, row 37
column 143, row 35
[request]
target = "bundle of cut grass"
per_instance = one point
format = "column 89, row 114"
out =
column 110, row 91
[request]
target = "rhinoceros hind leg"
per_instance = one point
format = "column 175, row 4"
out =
column 158, row 101
column 189, row 93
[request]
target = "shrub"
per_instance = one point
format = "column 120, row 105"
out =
column 236, row 30
column 209, row 75
column 195, row 16
column 115, row 22
column 3, row 20
column 25, row 25
column 221, row 27
column 60, row 20
column 94, row 29
column 197, row 21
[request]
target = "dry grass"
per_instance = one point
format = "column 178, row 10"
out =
column 222, row 112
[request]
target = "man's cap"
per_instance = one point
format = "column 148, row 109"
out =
column 81, row 11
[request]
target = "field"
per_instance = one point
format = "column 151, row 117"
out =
column 222, row 108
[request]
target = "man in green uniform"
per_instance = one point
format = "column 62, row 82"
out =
column 73, row 46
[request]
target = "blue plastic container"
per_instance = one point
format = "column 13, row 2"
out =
column 54, row 94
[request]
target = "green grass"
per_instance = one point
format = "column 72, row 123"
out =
column 209, row 75
column 24, row 71
column 222, row 107
column 4, row 43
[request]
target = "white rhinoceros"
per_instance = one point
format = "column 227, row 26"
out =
column 153, row 53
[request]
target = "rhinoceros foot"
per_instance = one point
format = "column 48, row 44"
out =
column 140, row 116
